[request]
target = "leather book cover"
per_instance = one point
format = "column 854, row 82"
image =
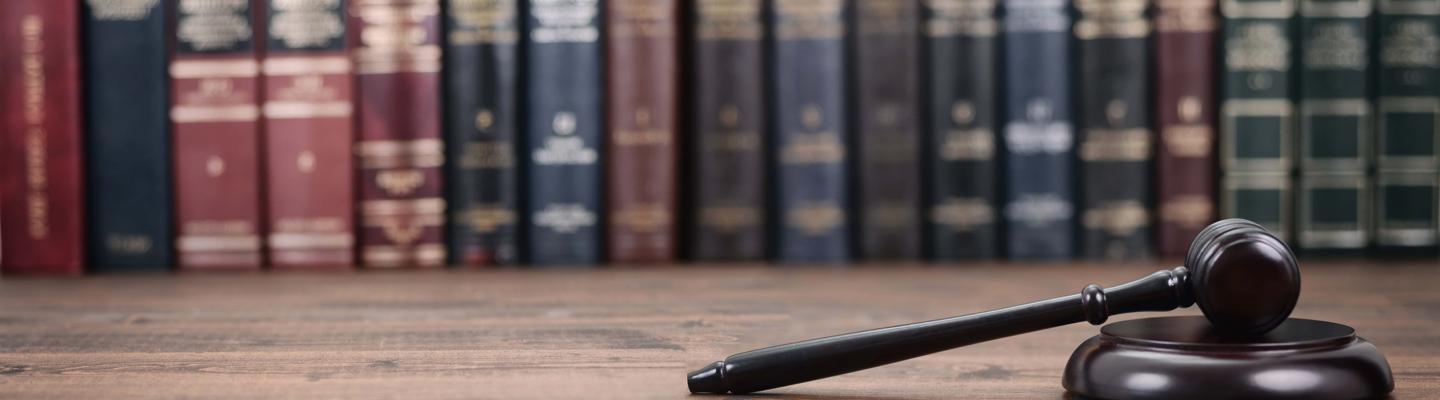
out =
column 309, row 128
column 481, row 121
column 128, row 136
column 214, row 92
column 564, row 99
column 1115, row 140
column 1184, row 63
column 41, row 158
column 961, row 95
column 812, row 188
column 1408, row 92
column 728, row 117
column 887, row 127
column 642, row 109
column 1335, row 125
column 1257, row 116
column 397, row 67
column 1038, row 134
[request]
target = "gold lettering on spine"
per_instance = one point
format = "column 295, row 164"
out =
column 1192, row 136
column 730, row 218
column 564, row 21
column 810, row 19
column 213, row 24
column 643, row 18
column 815, row 218
column 121, row 10
column 1185, row 16
column 728, row 20
column 483, row 21
column 37, row 185
column 306, row 23
column 398, row 36
column 1111, row 19
column 975, row 18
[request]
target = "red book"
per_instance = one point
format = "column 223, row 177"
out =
column 41, row 187
column 397, row 67
column 214, row 94
column 309, row 179
column 642, row 108
column 1185, row 101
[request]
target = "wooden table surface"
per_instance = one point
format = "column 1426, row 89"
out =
column 609, row 333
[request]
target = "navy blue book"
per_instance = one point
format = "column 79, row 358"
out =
column 481, row 118
column 961, row 39
column 809, row 61
column 1039, row 209
column 128, row 136
column 563, row 131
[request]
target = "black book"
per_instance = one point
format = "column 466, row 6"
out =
column 887, row 128
column 1115, row 136
column 128, row 136
column 1407, row 106
column 481, row 124
column 960, row 107
column 728, row 118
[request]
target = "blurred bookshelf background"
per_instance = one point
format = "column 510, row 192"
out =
column 153, row 135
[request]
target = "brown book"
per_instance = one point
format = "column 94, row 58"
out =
column 641, row 98
column 216, row 115
column 397, row 67
column 1185, row 116
column 310, row 203
column 41, row 187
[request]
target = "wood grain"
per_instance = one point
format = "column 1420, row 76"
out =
column 628, row 333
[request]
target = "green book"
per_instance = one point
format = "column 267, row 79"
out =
column 1257, row 124
column 1407, row 110
column 1335, row 124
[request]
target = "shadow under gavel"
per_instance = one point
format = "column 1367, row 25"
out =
column 1245, row 280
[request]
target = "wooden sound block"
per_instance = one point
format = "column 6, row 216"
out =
column 1184, row 358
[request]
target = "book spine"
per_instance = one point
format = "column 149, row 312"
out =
column 563, row 126
column 1335, row 130
column 961, row 38
column 728, row 118
column 216, row 126
column 1257, row 128
column 641, row 102
column 128, row 136
column 482, row 114
column 887, row 128
column 1184, row 111
column 41, row 175
column 1115, row 137
column 1038, row 135
column 1408, row 109
column 812, row 188
column 308, row 129
column 397, row 66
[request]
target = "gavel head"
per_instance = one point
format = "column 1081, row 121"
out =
column 1245, row 280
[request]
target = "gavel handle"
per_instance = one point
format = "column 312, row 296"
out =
column 788, row 364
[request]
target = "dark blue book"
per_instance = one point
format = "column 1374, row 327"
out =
column 1408, row 113
column 1039, row 210
column 1336, row 129
column 962, row 43
column 812, row 187
column 1115, row 140
column 128, row 136
column 481, row 118
column 563, row 131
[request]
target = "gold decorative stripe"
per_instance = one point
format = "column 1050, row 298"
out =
column 395, row 2
column 306, row 66
column 305, row 241
column 391, row 256
column 214, row 69
column 429, row 205
column 236, row 113
column 391, row 67
column 307, row 109
column 382, row 148
column 412, row 161
column 217, row 243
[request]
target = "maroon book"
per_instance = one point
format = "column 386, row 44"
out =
column 1185, row 101
column 641, row 98
column 41, row 188
column 397, row 66
column 214, row 94
column 309, row 174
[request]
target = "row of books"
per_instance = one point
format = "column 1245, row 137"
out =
column 385, row 133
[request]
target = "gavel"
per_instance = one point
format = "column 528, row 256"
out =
column 1245, row 280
